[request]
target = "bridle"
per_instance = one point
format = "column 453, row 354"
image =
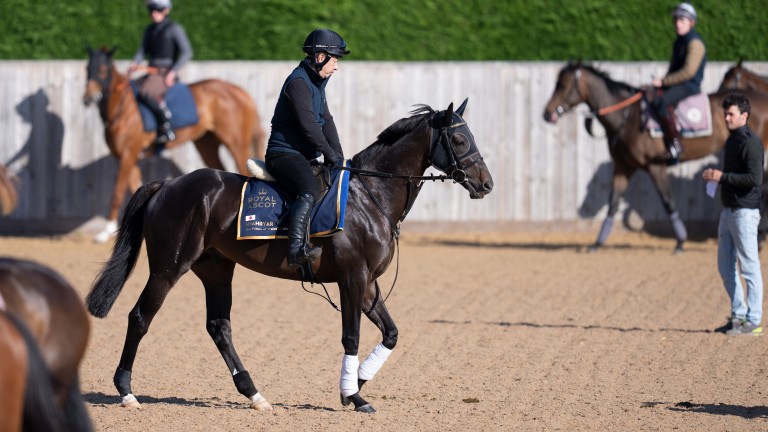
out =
column 565, row 106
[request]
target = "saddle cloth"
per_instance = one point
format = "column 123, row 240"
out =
column 264, row 209
column 693, row 118
column 179, row 101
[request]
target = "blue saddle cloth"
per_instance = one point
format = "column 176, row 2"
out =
column 179, row 101
column 264, row 209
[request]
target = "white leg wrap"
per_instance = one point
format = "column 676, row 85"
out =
column 374, row 362
column 348, row 383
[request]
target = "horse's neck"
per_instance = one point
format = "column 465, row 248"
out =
column 601, row 97
column 110, row 105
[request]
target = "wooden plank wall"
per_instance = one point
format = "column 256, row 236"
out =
column 543, row 173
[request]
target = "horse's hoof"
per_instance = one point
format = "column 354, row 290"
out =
column 345, row 400
column 102, row 237
column 129, row 401
column 259, row 403
column 367, row 408
column 593, row 248
column 678, row 248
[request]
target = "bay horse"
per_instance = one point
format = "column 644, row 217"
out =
column 190, row 223
column 26, row 401
column 56, row 318
column 740, row 78
column 630, row 146
column 227, row 116
column 8, row 194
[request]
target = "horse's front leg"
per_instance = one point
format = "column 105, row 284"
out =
column 660, row 179
column 618, row 187
column 352, row 294
column 379, row 315
column 126, row 164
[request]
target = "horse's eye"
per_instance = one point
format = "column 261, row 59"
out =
column 460, row 143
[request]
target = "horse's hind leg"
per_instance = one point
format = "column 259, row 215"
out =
column 661, row 181
column 139, row 319
column 379, row 316
column 208, row 147
column 216, row 271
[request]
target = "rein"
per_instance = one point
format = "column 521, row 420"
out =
column 621, row 105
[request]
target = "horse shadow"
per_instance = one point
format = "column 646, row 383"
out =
column 54, row 198
column 747, row 412
column 102, row 399
column 644, row 210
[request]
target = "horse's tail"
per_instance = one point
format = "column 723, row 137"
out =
column 118, row 268
column 40, row 410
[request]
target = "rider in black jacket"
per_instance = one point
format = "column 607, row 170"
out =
column 168, row 49
column 303, row 130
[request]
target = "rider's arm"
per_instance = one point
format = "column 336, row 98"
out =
column 185, row 48
column 331, row 135
column 139, row 56
column 300, row 97
column 693, row 59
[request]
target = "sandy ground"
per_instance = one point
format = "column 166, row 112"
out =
column 498, row 331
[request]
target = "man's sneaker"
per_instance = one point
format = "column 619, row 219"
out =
column 732, row 323
column 747, row 328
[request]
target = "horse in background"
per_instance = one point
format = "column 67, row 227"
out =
column 56, row 318
column 8, row 195
column 204, row 205
column 630, row 146
column 740, row 78
column 227, row 116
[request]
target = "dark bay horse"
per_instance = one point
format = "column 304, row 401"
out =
column 190, row 223
column 227, row 116
column 57, row 320
column 633, row 148
column 26, row 401
column 740, row 78
column 8, row 194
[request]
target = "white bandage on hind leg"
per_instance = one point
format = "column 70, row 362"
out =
column 348, row 383
column 374, row 362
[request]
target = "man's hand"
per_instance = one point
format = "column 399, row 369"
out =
column 712, row 174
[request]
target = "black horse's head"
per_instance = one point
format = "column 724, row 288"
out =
column 734, row 78
column 567, row 93
column 454, row 152
column 99, row 74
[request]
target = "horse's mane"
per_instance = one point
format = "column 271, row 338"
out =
column 420, row 115
column 613, row 86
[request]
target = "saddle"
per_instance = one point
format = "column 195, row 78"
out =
column 692, row 116
column 180, row 103
column 264, row 206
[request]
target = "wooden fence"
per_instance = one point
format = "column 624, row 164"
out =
column 545, row 174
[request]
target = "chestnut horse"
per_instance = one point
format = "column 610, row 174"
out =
column 57, row 320
column 740, row 78
column 227, row 116
column 190, row 223
column 26, row 401
column 631, row 147
column 8, row 195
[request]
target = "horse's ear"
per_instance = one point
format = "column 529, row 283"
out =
column 112, row 51
column 741, row 59
column 448, row 118
column 460, row 109
column 89, row 49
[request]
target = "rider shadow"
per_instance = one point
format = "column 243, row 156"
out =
column 644, row 210
column 59, row 199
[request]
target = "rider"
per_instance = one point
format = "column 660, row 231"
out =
column 302, row 130
column 683, row 79
column 168, row 48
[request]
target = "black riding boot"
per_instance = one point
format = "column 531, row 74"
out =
column 163, row 116
column 671, row 137
column 300, row 250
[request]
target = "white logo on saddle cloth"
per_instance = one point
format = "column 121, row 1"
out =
column 693, row 117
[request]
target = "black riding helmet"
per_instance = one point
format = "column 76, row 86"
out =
column 324, row 40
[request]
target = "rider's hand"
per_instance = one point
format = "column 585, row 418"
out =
column 657, row 83
column 132, row 68
column 170, row 78
column 333, row 159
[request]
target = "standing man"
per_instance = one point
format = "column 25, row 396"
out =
column 303, row 130
column 683, row 79
column 741, row 178
column 168, row 48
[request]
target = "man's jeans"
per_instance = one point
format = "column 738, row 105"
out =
column 737, row 238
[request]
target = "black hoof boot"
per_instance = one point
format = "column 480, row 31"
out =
column 361, row 405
